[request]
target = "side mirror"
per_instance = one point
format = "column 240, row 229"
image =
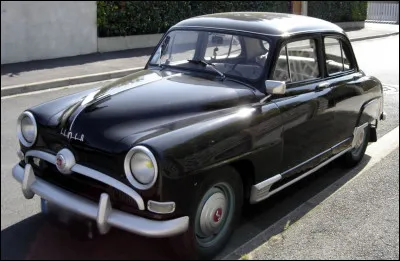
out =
column 275, row 87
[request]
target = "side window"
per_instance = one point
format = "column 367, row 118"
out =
column 300, row 63
column 222, row 46
column 336, row 59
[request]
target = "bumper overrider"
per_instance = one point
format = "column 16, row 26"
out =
column 102, row 211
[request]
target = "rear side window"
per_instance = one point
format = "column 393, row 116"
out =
column 297, row 62
column 335, row 58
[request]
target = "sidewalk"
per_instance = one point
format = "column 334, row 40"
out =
column 359, row 220
column 44, row 74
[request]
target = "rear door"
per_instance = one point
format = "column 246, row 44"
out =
column 346, row 85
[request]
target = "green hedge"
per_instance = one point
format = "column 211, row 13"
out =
column 338, row 11
column 121, row 18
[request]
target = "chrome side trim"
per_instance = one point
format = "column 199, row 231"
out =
column 308, row 172
column 305, row 162
column 102, row 212
column 264, row 186
column 260, row 191
column 91, row 173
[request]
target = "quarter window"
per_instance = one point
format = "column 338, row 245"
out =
column 297, row 62
column 335, row 58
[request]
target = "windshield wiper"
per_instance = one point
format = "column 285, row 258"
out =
column 205, row 63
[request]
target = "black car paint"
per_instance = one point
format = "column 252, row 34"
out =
column 194, row 123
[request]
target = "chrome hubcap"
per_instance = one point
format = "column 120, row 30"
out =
column 212, row 214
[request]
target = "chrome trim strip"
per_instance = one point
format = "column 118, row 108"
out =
column 91, row 173
column 103, row 212
column 305, row 162
column 260, row 191
column 42, row 155
column 308, row 172
column 94, row 174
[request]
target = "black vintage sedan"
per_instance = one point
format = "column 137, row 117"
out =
column 231, row 108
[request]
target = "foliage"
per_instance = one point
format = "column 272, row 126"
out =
column 122, row 18
column 338, row 11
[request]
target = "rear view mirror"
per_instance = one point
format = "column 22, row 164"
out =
column 217, row 39
column 275, row 87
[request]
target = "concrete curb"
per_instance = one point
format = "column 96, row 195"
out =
column 37, row 86
column 372, row 37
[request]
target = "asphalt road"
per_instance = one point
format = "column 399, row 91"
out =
column 27, row 235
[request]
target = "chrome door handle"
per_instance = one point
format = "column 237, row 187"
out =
column 322, row 86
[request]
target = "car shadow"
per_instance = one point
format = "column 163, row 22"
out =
column 39, row 238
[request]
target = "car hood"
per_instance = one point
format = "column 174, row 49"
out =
column 144, row 104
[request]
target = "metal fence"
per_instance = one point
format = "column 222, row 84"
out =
column 383, row 12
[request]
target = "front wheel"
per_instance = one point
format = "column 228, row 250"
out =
column 215, row 213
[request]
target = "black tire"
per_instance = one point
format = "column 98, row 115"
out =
column 189, row 245
column 355, row 155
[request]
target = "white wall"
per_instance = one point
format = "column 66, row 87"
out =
column 40, row 30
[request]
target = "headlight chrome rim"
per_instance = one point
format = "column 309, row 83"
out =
column 19, row 128
column 128, row 172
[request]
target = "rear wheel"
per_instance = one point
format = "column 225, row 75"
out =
column 215, row 213
column 355, row 155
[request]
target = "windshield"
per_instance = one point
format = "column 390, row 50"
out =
column 232, row 55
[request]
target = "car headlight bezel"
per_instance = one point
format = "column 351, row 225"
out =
column 20, row 133
column 130, row 175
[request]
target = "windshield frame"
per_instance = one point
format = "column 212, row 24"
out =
column 259, row 82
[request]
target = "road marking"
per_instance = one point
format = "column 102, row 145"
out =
column 58, row 89
column 377, row 151
column 389, row 88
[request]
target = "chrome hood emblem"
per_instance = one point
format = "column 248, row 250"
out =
column 69, row 135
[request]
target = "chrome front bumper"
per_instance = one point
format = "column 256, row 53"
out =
column 102, row 212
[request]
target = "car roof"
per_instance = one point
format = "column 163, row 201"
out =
column 267, row 23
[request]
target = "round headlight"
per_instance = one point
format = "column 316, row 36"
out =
column 26, row 129
column 141, row 167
